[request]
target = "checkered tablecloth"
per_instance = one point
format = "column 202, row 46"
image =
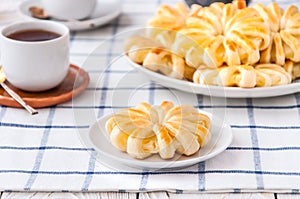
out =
column 44, row 152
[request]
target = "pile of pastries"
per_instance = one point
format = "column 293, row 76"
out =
column 223, row 44
column 164, row 130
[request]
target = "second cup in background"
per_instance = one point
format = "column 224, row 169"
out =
column 69, row 9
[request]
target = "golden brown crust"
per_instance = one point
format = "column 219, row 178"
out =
column 293, row 69
column 166, row 129
column 188, row 73
column 212, row 45
column 271, row 75
column 165, row 62
column 170, row 18
column 240, row 4
column 245, row 76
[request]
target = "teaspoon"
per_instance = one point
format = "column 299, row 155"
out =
column 14, row 95
column 40, row 13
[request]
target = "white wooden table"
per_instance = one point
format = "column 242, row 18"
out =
column 150, row 195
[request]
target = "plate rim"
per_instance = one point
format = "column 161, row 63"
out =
column 78, row 25
column 136, row 163
column 218, row 91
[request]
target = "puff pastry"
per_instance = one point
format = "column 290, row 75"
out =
column 167, row 63
column 271, row 75
column 228, row 33
column 245, row 76
column 224, row 44
column 154, row 56
column 242, row 76
column 170, row 18
column 285, row 34
column 164, row 130
column 137, row 48
column 293, row 69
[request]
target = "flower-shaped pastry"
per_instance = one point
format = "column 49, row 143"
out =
column 285, row 35
column 165, row 129
column 228, row 33
column 155, row 57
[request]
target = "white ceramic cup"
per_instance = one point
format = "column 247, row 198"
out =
column 35, row 65
column 69, row 9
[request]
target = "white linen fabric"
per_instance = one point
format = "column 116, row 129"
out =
column 44, row 152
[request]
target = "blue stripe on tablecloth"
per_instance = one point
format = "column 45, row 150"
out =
column 91, row 107
column 4, row 124
column 95, row 54
column 201, row 176
column 109, row 56
column 201, row 107
column 88, row 178
column 45, row 148
column 225, row 172
column 255, row 143
column 40, row 154
column 2, row 112
column 145, row 176
column 179, row 191
column 289, row 148
column 144, row 180
column 127, row 88
column 264, row 127
column 109, row 107
column 237, row 190
column 297, row 96
column 295, row 190
column 113, row 71
column 252, row 107
column 238, row 148
column 151, row 89
column 201, row 165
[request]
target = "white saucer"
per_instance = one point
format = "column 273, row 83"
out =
column 105, row 11
column 107, row 154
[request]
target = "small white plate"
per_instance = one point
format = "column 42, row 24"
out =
column 105, row 11
column 218, row 91
column 98, row 139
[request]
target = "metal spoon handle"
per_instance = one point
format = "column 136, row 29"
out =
column 14, row 95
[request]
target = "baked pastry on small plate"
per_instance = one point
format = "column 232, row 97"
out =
column 211, row 141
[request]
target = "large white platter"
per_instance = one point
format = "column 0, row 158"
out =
column 98, row 139
column 218, row 91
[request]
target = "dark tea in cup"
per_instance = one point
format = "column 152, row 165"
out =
column 33, row 35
